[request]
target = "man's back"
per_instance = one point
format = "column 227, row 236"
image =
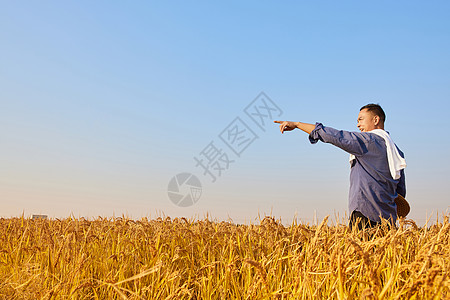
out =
column 372, row 188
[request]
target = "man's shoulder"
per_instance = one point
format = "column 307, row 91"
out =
column 365, row 136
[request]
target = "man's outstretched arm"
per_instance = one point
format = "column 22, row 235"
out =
column 288, row 126
column 353, row 142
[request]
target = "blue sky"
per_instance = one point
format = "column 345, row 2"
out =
column 102, row 103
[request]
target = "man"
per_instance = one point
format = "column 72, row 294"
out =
column 377, row 176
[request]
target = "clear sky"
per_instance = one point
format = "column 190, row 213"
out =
column 103, row 102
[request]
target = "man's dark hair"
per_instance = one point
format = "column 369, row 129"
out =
column 376, row 110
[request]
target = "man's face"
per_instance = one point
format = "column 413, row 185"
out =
column 367, row 121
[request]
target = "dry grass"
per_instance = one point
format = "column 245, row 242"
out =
column 185, row 259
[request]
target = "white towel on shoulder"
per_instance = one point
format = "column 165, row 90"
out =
column 396, row 162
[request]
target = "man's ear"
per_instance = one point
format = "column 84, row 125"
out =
column 376, row 120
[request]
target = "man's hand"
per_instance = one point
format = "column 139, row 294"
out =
column 286, row 125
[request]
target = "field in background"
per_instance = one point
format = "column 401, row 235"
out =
column 185, row 259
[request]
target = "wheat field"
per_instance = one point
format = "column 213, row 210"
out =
column 120, row 258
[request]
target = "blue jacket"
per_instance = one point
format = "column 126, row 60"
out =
column 372, row 188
